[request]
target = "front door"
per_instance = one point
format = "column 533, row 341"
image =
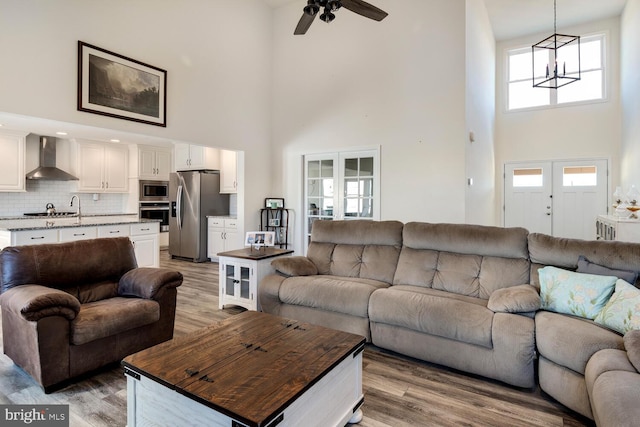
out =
column 579, row 196
column 558, row 198
column 528, row 198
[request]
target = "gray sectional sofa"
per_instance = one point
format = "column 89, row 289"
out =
column 463, row 296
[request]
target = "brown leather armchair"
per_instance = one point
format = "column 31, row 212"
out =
column 71, row 308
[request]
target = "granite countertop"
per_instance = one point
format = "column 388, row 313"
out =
column 223, row 216
column 20, row 224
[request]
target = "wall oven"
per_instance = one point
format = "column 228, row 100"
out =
column 154, row 191
column 156, row 211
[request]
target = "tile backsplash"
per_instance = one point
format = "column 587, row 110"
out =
column 39, row 193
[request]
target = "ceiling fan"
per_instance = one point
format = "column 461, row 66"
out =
column 357, row 6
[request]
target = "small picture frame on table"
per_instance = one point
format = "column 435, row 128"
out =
column 259, row 239
column 273, row 203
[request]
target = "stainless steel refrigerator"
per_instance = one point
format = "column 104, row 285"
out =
column 193, row 196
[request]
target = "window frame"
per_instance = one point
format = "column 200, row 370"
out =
column 603, row 36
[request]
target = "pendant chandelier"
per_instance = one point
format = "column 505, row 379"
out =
column 556, row 59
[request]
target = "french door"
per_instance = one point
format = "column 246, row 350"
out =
column 342, row 185
column 559, row 198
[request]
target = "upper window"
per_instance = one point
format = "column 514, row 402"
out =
column 590, row 87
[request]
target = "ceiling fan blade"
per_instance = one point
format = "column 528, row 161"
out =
column 365, row 9
column 304, row 24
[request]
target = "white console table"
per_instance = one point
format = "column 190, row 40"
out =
column 610, row 227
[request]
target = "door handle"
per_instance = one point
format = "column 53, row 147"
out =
column 179, row 207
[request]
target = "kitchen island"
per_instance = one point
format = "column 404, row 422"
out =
column 143, row 233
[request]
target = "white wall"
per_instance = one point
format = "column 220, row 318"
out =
column 480, row 202
column 630, row 83
column 398, row 84
column 566, row 132
column 217, row 54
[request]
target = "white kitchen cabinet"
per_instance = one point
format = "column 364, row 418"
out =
column 145, row 243
column 77, row 233
column 102, row 168
column 12, row 161
column 117, row 230
column 33, row 237
column 194, row 157
column 144, row 237
column 228, row 172
column 154, row 163
column 222, row 235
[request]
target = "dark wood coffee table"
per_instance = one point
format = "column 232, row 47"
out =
column 253, row 369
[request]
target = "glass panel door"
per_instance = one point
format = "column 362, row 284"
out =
column 320, row 197
column 342, row 185
column 358, row 187
column 230, row 279
column 245, row 278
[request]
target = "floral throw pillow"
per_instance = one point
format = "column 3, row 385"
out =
column 622, row 312
column 579, row 294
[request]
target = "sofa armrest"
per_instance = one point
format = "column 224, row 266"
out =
column 148, row 282
column 294, row 266
column 514, row 299
column 34, row 302
column 632, row 346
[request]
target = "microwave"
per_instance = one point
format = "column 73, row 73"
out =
column 154, row 191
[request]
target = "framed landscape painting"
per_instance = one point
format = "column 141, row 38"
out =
column 114, row 85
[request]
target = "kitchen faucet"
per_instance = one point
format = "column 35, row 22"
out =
column 75, row 196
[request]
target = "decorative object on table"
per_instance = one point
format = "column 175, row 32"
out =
column 312, row 9
column 114, row 85
column 259, row 239
column 558, row 61
column 617, row 197
column 277, row 221
column 274, row 203
column 633, row 196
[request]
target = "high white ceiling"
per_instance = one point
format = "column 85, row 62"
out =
column 515, row 18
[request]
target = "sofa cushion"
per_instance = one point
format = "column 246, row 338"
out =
column 433, row 312
column 586, row 266
column 564, row 253
column 111, row 316
column 571, row 341
column 471, row 275
column 357, row 248
column 96, row 291
column 579, row 294
column 467, row 239
column 465, row 259
column 621, row 313
column 340, row 294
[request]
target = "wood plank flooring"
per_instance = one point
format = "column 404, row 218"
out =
column 399, row 391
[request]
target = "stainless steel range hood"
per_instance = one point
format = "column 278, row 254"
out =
column 47, row 169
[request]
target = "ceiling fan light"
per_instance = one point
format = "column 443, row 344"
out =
column 334, row 5
column 311, row 8
column 327, row 16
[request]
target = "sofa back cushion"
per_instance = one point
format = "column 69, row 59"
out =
column 356, row 248
column 75, row 267
column 564, row 253
column 465, row 259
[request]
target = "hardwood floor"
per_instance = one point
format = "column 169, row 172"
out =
column 399, row 391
